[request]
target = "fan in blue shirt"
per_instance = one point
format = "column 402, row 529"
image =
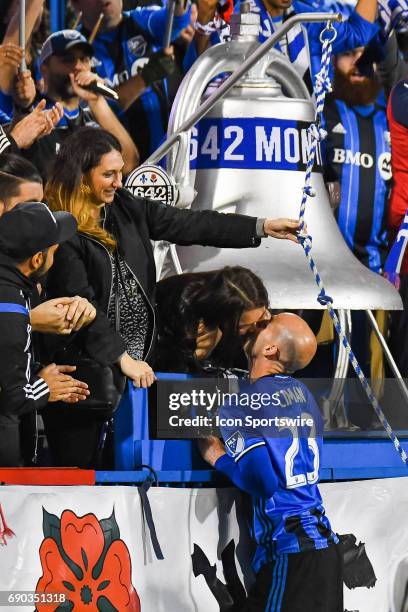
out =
column 302, row 43
column 273, row 441
column 128, row 54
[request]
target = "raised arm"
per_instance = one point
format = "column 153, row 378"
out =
column 367, row 9
column 106, row 118
column 34, row 10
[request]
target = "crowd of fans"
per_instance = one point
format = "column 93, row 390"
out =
column 89, row 292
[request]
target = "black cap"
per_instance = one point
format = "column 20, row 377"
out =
column 31, row 227
column 59, row 43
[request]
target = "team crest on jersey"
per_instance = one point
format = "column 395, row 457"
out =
column 384, row 166
column 137, row 45
column 235, row 443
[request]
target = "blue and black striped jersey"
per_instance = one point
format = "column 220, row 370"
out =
column 357, row 151
column 279, row 414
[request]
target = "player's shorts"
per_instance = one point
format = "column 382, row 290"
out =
column 310, row 581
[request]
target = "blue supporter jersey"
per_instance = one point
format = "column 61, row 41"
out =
column 305, row 52
column 6, row 108
column 293, row 519
column 120, row 53
column 353, row 32
column 358, row 155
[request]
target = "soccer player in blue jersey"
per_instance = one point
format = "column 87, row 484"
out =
column 298, row 564
column 129, row 56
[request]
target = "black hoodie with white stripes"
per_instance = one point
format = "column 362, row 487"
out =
column 21, row 390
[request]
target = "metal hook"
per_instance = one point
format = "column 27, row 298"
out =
column 329, row 28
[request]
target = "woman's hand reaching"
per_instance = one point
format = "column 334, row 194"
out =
column 283, row 229
column 139, row 372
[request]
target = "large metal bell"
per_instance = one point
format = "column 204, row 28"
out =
column 248, row 156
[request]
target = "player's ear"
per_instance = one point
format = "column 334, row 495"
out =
column 271, row 351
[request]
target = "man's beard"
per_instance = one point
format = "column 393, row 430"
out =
column 39, row 274
column 59, row 86
column 364, row 92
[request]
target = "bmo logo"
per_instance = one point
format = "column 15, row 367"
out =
column 345, row 156
column 365, row 160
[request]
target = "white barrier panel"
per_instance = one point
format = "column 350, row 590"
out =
column 94, row 545
column 376, row 513
column 80, row 556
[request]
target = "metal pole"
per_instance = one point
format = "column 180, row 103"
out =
column 388, row 354
column 22, row 33
column 237, row 75
column 171, row 5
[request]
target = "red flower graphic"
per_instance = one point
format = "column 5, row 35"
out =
column 86, row 559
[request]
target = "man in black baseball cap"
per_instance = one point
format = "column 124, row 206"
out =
column 31, row 228
column 29, row 236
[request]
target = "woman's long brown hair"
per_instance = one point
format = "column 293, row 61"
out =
column 67, row 188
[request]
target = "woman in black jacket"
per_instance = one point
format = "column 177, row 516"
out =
column 112, row 256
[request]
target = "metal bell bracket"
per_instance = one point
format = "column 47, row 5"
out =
column 321, row 88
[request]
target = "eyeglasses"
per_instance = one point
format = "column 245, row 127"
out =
column 264, row 320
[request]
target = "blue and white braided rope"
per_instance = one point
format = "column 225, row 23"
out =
column 316, row 133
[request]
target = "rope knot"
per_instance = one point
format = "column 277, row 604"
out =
column 308, row 190
column 316, row 132
column 322, row 83
column 304, row 239
column 324, row 299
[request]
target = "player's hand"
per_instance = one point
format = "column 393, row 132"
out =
column 63, row 388
column 211, row 449
column 81, row 80
column 24, row 89
column 283, row 229
column 138, row 371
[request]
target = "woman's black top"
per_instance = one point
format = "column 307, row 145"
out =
column 82, row 265
column 135, row 320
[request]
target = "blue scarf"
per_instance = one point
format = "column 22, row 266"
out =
column 294, row 45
